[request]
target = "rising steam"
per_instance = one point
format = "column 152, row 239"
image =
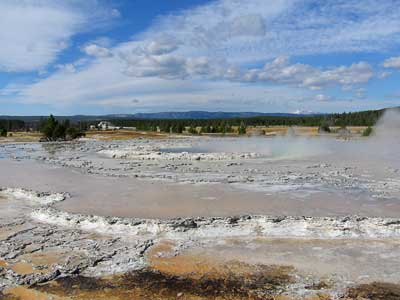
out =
column 384, row 144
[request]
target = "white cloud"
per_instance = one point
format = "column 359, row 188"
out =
column 162, row 45
column 164, row 61
column 248, row 25
column 95, row 50
column 393, row 62
column 251, row 25
column 360, row 93
column 354, row 74
column 162, row 66
column 281, row 71
column 245, row 31
column 33, row 33
column 384, row 74
column 322, row 98
column 69, row 68
column 158, row 59
column 115, row 13
column 303, row 112
column 172, row 81
column 102, row 84
column 200, row 58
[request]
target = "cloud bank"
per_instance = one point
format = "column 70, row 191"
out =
column 228, row 54
column 33, row 33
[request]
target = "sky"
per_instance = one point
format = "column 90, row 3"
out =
column 96, row 57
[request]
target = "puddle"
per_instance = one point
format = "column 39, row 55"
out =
column 196, row 266
column 3, row 263
column 23, row 268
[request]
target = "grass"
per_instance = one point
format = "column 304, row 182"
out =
column 122, row 134
column 20, row 137
column 107, row 135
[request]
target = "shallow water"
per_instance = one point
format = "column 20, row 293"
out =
column 130, row 197
column 344, row 256
column 352, row 183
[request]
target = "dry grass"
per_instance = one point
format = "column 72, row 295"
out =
column 21, row 137
column 31, row 137
column 108, row 135
column 302, row 130
column 353, row 129
column 123, row 135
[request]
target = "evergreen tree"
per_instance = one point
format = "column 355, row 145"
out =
column 242, row 128
column 48, row 127
column 368, row 131
column 53, row 130
column 3, row 132
column 59, row 132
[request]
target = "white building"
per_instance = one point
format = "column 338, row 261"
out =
column 129, row 128
column 105, row 125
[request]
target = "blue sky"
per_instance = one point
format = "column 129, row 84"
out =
column 127, row 56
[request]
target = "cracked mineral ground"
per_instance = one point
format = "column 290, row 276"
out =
column 201, row 218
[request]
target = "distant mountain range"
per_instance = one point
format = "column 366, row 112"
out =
column 162, row 115
column 207, row 115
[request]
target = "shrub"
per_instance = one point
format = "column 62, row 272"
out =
column 324, row 127
column 3, row 132
column 368, row 131
column 73, row 133
column 344, row 132
column 192, row 130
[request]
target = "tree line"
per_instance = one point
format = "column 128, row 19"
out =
column 11, row 125
column 364, row 118
column 54, row 129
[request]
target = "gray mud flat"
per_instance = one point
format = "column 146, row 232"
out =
column 130, row 196
column 122, row 217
